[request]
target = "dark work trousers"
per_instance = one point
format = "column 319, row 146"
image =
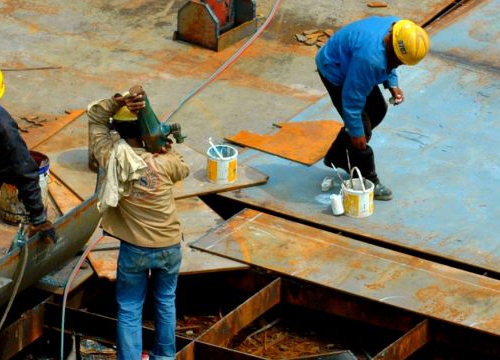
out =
column 372, row 115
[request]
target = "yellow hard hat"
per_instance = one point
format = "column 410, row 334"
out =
column 2, row 85
column 411, row 42
column 124, row 114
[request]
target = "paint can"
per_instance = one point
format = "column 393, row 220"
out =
column 12, row 210
column 222, row 169
column 358, row 196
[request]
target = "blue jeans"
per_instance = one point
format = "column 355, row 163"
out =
column 134, row 265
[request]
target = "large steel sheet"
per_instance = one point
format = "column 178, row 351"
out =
column 365, row 270
column 437, row 151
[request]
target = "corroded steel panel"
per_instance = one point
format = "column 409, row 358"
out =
column 222, row 332
column 73, row 229
column 304, row 142
column 409, row 343
column 365, row 270
column 37, row 135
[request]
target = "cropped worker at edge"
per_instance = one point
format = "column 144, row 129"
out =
column 17, row 167
column 351, row 65
column 144, row 220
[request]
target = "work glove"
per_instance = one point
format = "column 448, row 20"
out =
column 46, row 229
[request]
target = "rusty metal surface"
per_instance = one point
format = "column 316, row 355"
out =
column 197, row 24
column 55, row 281
column 304, row 142
column 22, row 332
column 64, row 198
column 232, row 36
column 223, row 331
column 211, row 24
column 368, row 271
column 434, row 152
column 273, row 71
column 196, row 220
column 73, row 229
column 409, row 343
column 37, row 135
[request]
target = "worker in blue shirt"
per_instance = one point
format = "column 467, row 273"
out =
column 351, row 65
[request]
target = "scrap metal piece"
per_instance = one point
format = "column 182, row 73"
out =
column 303, row 142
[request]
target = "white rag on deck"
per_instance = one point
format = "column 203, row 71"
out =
column 124, row 167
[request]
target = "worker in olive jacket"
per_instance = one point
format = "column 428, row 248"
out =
column 144, row 220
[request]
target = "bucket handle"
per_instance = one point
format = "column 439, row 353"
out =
column 360, row 178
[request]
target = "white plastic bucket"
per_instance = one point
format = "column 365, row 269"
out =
column 12, row 209
column 222, row 170
column 358, row 196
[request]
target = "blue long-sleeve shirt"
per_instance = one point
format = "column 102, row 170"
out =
column 355, row 58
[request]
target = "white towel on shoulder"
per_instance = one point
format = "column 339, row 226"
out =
column 124, row 167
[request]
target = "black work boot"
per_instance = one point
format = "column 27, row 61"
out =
column 382, row 192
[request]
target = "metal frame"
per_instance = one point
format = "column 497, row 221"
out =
column 413, row 332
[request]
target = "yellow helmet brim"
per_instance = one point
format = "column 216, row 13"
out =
column 2, row 85
column 124, row 114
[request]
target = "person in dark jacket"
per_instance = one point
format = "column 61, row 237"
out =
column 18, row 168
column 351, row 65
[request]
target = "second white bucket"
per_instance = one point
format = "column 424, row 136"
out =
column 358, row 196
column 222, row 170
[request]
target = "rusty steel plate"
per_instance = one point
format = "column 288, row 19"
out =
column 304, row 142
column 37, row 135
column 365, row 270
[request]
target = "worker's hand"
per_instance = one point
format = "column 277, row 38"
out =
column 397, row 94
column 46, row 229
column 359, row 142
column 133, row 102
column 165, row 148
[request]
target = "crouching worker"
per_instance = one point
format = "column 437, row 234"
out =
column 138, row 208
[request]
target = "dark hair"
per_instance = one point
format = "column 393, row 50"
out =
column 127, row 129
